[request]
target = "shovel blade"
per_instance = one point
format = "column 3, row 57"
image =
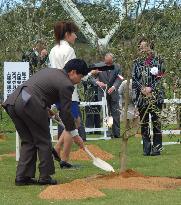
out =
column 103, row 165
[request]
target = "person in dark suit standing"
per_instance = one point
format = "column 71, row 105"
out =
column 110, row 81
column 148, row 95
column 27, row 106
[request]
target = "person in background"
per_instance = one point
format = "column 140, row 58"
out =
column 28, row 108
column 37, row 57
column 148, row 95
column 110, row 80
column 60, row 54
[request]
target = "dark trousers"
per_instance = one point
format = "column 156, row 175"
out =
column 145, row 130
column 35, row 139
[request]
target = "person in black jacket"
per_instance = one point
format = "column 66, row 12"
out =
column 148, row 95
column 37, row 57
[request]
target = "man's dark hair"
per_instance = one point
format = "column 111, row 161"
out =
column 61, row 27
column 77, row 64
column 149, row 41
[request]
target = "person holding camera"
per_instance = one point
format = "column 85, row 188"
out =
column 109, row 81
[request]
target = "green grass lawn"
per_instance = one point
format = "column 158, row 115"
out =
column 168, row 164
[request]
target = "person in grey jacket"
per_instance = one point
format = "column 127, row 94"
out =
column 27, row 107
column 110, row 80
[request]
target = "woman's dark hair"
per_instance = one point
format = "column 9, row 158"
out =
column 149, row 41
column 61, row 27
column 77, row 64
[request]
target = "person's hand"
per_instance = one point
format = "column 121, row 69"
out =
column 43, row 53
column 146, row 91
column 51, row 113
column 111, row 90
column 78, row 140
column 101, row 84
column 95, row 72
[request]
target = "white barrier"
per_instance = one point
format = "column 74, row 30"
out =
column 104, row 129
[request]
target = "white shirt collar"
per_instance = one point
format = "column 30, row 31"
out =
column 63, row 42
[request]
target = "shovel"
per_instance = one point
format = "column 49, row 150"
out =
column 96, row 161
column 99, row 162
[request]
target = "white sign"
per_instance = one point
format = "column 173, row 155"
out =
column 15, row 73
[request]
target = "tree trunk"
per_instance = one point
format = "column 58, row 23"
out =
column 124, row 148
column 124, row 144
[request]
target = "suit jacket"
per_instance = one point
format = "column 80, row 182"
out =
column 43, row 89
column 142, row 76
column 111, row 78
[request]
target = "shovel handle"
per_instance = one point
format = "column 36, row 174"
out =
column 89, row 153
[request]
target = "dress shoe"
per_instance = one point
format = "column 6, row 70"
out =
column 146, row 154
column 47, row 181
column 155, row 154
column 55, row 155
column 115, row 136
column 22, row 181
column 66, row 165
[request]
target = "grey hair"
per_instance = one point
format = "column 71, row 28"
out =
column 110, row 54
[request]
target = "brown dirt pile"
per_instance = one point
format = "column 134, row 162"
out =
column 11, row 154
column 78, row 189
column 89, row 187
column 134, row 180
column 81, row 155
column 2, row 137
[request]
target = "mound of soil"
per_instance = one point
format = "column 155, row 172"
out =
column 2, row 137
column 78, row 189
column 11, row 154
column 90, row 187
column 81, row 155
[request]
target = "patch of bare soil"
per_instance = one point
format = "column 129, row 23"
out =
column 81, row 155
column 90, row 187
column 11, row 154
column 77, row 189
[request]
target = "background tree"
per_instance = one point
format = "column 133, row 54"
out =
column 25, row 22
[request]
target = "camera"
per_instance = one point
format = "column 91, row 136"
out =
column 101, row 66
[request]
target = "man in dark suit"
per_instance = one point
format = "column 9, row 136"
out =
column 27, row 107
column 148, row 95
column 110, row 80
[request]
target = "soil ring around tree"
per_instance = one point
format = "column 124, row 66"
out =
column 91, row 187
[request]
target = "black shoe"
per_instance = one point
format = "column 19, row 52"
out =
column 155, row 154
column 55, row 155
column 115, row 136
column 146, row 154
column 23, row 181
column 66, row 165
column 47, row 181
